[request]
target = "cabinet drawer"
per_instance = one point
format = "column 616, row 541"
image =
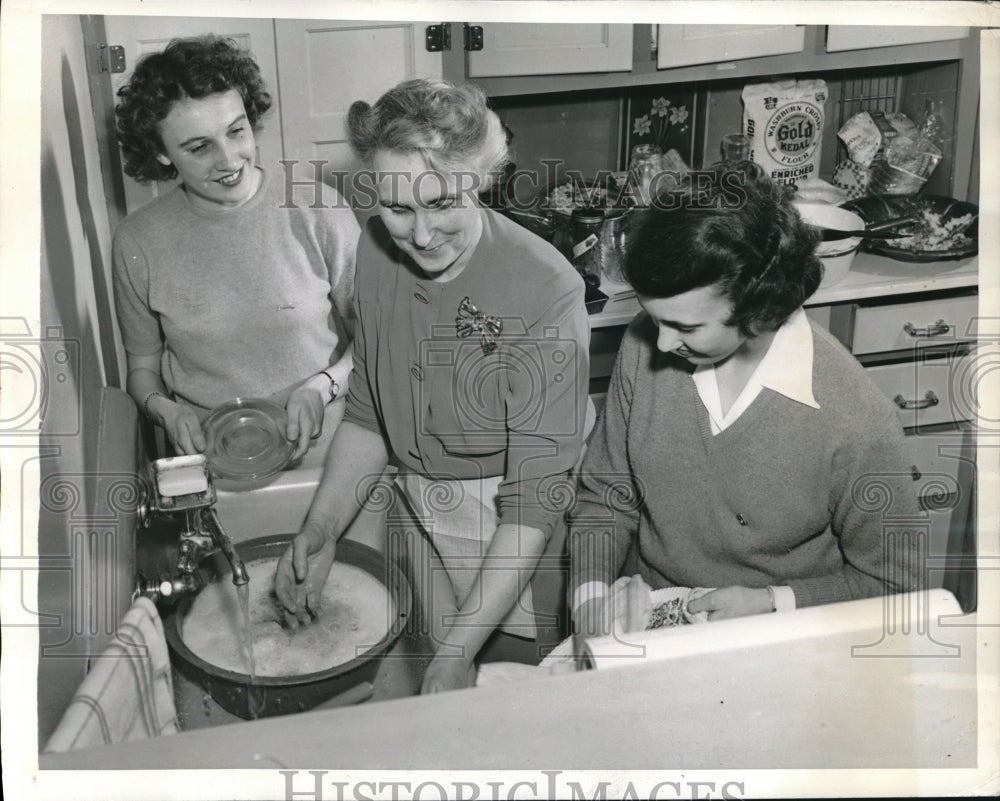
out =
column 939, row 462
column 929, row 391
column 900, row 326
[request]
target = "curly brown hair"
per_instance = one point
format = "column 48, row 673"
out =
column 187, row 68
column 732, row 227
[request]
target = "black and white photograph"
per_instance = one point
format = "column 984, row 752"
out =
column 517, row 399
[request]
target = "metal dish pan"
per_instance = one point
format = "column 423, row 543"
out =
column 283, row 695
column 878, row 208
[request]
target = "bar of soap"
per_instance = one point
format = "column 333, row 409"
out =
column 181, row 481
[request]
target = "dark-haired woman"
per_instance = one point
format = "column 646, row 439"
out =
column 223, row 288
column 740, row 443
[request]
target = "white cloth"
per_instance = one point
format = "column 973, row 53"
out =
column 460, row 518
column 128, row 693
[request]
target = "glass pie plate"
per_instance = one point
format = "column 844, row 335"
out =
column 246, row 439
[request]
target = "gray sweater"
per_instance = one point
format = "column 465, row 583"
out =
column 816, row 499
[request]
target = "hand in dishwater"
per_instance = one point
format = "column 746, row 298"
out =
column 448, row 672
column 184, row 428
column 727, row 602
column 301, row 573
column 304, row 411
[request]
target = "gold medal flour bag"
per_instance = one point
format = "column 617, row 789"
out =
column 785, row 120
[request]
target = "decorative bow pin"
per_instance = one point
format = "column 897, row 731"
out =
column 472, row 321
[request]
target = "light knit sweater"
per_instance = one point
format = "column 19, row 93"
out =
column 243, row 302
column 787, row 495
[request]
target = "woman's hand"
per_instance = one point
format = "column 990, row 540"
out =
column 727, row 602
column 182, row 426
column 447, row 672
column 301, row 573
column 304, row 411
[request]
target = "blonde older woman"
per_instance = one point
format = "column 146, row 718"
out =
column 470, row 372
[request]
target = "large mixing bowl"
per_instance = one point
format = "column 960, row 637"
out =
column 282, row 695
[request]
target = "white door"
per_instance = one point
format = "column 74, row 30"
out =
column 514, row 48
column 685, row 45
column 141, row 35
column 324, row 66
column 857, row 37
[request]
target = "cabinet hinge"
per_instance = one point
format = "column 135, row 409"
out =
column 109, row 58
column 473, row 37
column 438, row 37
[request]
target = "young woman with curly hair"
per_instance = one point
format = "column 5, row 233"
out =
column 223, row 288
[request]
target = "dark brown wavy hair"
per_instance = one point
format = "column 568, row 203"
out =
column 732, row 227
column 187, row 68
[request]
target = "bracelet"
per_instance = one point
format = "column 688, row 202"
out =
column 147, row 399
column 334, row 386
column 770, row 594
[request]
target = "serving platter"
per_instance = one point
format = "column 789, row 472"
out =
column 879, row 208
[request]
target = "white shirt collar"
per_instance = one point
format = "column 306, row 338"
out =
column 787, row 368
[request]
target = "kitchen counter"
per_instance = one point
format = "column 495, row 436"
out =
column 871, row 276
column 819, row 688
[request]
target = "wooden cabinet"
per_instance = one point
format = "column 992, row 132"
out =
column 683, row 45
column 860, row 37
column 532, row 49
column 921, row 353
column 896, row 326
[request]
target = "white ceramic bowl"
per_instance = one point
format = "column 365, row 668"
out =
column 837, row 255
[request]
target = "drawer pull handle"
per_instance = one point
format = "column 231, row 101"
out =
column 935, row 330
column 915, row 473
column 930, row 399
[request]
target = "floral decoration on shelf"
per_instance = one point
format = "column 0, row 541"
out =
column 659, row 120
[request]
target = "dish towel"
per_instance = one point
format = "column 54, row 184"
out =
column 128, row 693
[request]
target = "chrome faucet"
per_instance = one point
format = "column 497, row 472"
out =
column 183, row 484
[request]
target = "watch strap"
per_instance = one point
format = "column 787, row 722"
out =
column 334, row 387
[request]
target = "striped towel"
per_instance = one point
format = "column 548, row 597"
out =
column 128, row 693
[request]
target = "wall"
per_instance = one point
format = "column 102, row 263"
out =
column 583, row 128
column 75, row 245
column 581, row 131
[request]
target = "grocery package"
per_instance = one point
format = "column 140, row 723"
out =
column 889, row 154
column 785, row 119
column 867, row 134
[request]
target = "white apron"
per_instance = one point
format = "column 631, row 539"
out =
column 460, row 518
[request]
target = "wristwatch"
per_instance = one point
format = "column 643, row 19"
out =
column 334, row 387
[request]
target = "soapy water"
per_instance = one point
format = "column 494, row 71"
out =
column 357, row 613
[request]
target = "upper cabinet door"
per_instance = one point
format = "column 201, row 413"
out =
column 142, row 35
column 685, row 45
column 857, row 37
column 328, row 64
column 544, row 49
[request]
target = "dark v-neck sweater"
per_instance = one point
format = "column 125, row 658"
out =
column 815, row 499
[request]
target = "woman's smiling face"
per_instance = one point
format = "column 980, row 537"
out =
column 432, row 217
column 211, row 144
column 694, row 325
